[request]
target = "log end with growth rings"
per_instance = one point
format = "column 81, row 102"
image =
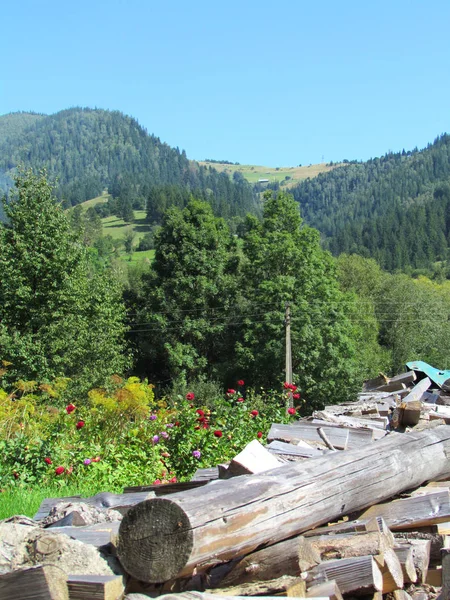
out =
column 155, row 540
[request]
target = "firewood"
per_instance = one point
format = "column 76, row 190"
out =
column 328, row 589
column 421, row 557
column 39, row 583
column 95, row 587
column 165, row 538
column 411, row 412
column 360, row 574
column 297, row 590
column 404, row 554
column 391, row 570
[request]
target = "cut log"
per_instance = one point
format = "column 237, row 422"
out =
column 95, row 587
column 329, row 547
column 421, row 557
column 165, row 538
column 297, row 590
column 328, row 589
column 411, row 412
column 413, row 512
column 254, row 458
column 391, row 570
column 404, row 554
column 360, row 574
column 38, row 583
column 418, row 390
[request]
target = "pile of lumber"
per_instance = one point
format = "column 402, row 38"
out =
column 353, row 501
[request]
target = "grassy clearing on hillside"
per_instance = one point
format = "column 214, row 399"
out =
column 254, row 172
column 26, row 500
column 103, row 199
column 117, row 228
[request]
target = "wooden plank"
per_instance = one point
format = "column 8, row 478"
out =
column 413, row 512
column 327, row 589
column 37, row 583
column 169, row 537
column 360, row 574
column 95, row 587
column 418, row 390
column 96, row 535
column 166, row 488
column 296, row 432
column 209, row 474
column 254, row 458
column 281, row 448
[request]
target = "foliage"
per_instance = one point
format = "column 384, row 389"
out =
column 124, row 435
column 58, row 315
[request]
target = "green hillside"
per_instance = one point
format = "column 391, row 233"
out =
column 14, row 124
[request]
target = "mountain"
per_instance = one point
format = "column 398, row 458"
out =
column 395, row 208
column 89, row 150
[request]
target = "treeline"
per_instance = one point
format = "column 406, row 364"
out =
column 92, row 150
column 211, row 307
column 391, row 208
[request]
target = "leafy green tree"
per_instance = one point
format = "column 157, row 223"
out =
column 191, row 293
column 284, row 263
column 59, row 316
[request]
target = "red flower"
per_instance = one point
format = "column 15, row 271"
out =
column 218, row 433
column 173, row 480
column 259, row 434
column 15, row 475
column 254, row 413
column 296, row 396
column 59, row 470
column 80, row 424
column 240, row 400
column 231, row 391
column 190, row 396
column 177, row 423
column 290, row 386
column 200, row 412
column 241, row 382
column 70, row 408
column 157, row 482
column 96, row 459
column 291, row 411
column 48, row 460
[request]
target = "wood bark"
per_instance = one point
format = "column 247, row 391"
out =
column 164, row 538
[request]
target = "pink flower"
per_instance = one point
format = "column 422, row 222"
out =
column 70, row 408
column 196, row 453
column 190, row 396
column 59, row 470
column 291, row 411
column 241, row 382
column 254, row 413
column 87, row 461
column 157, row 482
column 173, row 480
column 80, row 425
column 48, row 460
column 231, row 391
column 240, row 400
column 218, row 433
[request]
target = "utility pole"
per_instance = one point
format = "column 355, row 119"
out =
column 287, row 324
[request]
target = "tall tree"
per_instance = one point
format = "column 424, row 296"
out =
column 284, row 263
column 190, row 294
column 58, row 315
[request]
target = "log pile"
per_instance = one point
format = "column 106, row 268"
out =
column 353, row 501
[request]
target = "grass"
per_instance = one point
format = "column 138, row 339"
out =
column 103, row 199
column 254, row 172
column 117, row 228
column 26, row 500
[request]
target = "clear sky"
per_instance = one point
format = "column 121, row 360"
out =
column 276, row 83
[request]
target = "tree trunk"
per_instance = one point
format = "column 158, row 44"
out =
column 164, row 538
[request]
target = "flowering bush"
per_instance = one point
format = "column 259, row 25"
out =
column 122, row 436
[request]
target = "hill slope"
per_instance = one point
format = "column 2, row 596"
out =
column 90, row 150
column 393, row 208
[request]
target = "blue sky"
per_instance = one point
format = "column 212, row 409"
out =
column 264, row 82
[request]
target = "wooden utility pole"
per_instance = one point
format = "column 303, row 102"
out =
column 287, row 324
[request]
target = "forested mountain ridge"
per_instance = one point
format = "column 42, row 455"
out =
column 88, row 150
column 393, row 208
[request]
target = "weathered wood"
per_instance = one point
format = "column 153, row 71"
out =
column 418, row 390
column 254, row 458
column 37, row 583
column 167, row 488
column 300, row 431
column 348, row 545
column 96, row 535
column 392, row 386
column 361, row 525
column 434, row 577
column 360, row 574
column 297, row 590
column 413, row 512
column 164, row 538
column 445, row 592
column 421, row 557
column 95, row 587
column 283, row 448
column 328, row 589
column 325, row 439
column 209, row 474
column 404, row 554
column 391, row 570
column 258, row 588
column 411, row 412
column 120, row 502
column 359, row 426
